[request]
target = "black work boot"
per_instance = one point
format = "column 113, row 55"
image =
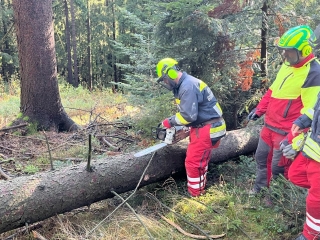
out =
column 300, row 237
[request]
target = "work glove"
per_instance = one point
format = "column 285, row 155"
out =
column 289, row 152
column 283, row 144
column 252, row 115
column 284, row 162
column 166, row 123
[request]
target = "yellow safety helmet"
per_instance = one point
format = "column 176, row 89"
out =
column 297, row 38
column 168, row 70
column 165, row 66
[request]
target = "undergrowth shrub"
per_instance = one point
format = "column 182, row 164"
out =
column 286, row 215
column 31, row 169
column 11, row 88
column 9, row 107
column 61, row 164
column 153, row 112
column 289, row 200
column 84, row 106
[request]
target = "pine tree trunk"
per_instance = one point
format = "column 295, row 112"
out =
column 74, row 45
column 68, row 44
column 29, row 199
column 40, row 98
column 114, row 58
column 89, row 74
column 264, row 37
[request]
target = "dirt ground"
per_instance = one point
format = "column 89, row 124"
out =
column 25, row 153
column 22, row 152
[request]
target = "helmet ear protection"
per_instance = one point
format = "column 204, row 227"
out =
column 171, row 72
column 306, row 50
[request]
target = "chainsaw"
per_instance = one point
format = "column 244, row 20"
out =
column 167, row 136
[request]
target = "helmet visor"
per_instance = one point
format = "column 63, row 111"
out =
column 160, row 79
column 290, row 56
column 166, row 82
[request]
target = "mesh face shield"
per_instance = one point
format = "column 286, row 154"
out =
column 293, row 44
column 290, row 56
column 166, row 82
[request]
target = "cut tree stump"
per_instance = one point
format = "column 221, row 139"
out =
column 29, row 199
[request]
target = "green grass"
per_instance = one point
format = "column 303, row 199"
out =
column 31, row 169
column 79, row 103
column 9, row 109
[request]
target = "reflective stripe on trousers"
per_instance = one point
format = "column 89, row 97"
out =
column 305, row 172
column 197, row 159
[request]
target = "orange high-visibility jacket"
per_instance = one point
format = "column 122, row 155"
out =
column 293, row 92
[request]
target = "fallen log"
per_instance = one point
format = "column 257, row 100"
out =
column 30, row 199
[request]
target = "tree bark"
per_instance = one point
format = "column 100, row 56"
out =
column 264, row 37
column 68, row 44
column 89, row 74
column 40, row 98
column 29, row 199
column 114, row 58
column 74, row 45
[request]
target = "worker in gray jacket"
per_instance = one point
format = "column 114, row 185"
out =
column 199, row 110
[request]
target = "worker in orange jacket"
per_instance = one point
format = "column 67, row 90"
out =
column 291, row 94
column 305, row 169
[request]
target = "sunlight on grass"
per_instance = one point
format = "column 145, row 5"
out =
column 9, row 108
column 122, row 225
column 190, row 206
column 80, row 104
column 84, row 106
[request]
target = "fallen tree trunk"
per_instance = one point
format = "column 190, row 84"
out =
column 30, row 199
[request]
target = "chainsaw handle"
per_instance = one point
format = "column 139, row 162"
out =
column 158, row 132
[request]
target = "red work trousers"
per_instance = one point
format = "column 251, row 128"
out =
column 197, row 159
column 305, row 172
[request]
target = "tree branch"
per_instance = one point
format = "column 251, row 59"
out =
column 14, row 127
column 134, row 212
column 2, row 173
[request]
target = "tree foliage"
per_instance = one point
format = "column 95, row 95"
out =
column 216, row 41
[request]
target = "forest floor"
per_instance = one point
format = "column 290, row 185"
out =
column 224, row 209
column 22, row 153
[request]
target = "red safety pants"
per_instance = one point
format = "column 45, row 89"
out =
column 197, row 159
column 305, row 172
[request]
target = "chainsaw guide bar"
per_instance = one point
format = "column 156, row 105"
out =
column 167, row 136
